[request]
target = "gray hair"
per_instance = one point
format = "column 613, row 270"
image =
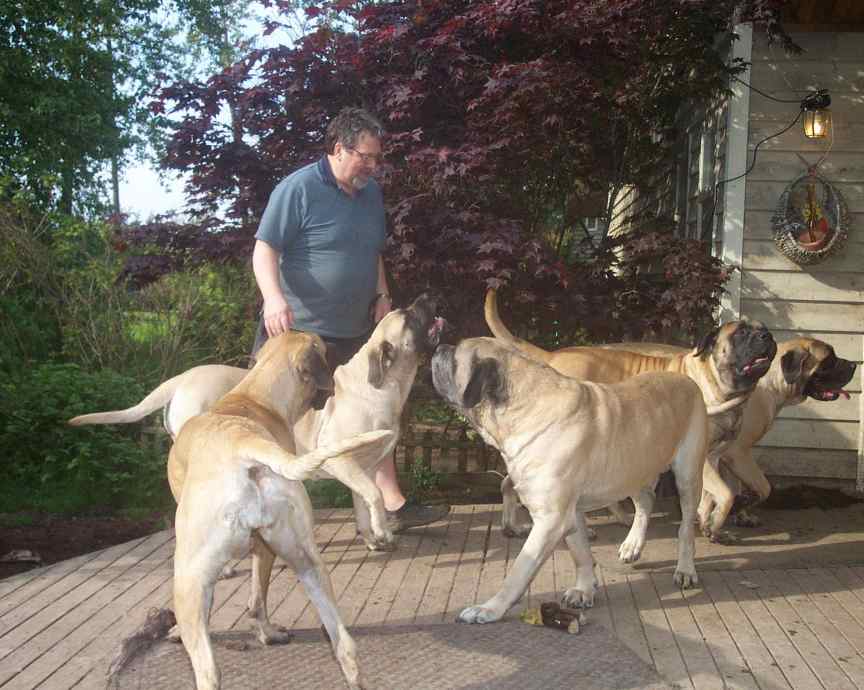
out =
column 347, row 127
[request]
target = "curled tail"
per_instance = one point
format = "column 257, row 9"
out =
column 303, row 466
column 500, row 331
column 157, row 399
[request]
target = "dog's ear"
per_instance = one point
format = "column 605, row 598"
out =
column 380, row 360
column 707, row 342
column 313, row 367
column 486, row 382
column 792, row 365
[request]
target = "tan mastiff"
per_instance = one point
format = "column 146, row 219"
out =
column 726, row 365
column 803, row 368
column 572, row 447
column 236, row 479
column 370, row 392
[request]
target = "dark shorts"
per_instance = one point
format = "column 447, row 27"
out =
column 339, row 350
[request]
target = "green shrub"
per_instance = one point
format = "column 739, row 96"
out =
column 50, row 466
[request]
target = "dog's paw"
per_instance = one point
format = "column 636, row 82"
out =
column 174, row 634
column 575, row 598
column 516, row 531
column 228, row 572
column 383, row 543
column 745, row 519
column 722, row 537
column 478, row 614
column 269, row 634
column 630, row 551
column 685, row 580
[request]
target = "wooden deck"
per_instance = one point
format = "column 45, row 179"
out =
column 784, row 609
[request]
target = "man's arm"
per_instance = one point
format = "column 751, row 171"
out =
column 265, row 264
column 383, row 304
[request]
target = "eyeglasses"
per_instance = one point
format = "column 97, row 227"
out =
column 366, row 158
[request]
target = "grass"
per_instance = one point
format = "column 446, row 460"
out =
column 328, row 493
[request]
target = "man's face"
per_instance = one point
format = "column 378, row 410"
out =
column 355, row 165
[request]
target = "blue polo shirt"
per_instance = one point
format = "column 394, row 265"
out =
column 329, row 243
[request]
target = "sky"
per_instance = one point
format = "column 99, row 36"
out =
column 143, row 194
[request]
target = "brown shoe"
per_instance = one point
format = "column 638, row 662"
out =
column 414, row 516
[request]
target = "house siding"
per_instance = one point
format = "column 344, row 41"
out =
column 826, row 300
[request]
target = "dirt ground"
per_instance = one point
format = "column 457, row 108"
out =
column 47, row 539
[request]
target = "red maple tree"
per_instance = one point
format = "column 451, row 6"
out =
column 500, row 115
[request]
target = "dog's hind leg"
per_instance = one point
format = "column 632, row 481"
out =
column 296, row 545
column 262, row 566
column 198, row 558
column 631, row 548
column 582, row 595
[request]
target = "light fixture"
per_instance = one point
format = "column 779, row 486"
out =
column 817, row 117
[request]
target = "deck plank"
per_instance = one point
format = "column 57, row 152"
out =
column 756, row 629
column 433, row 604
column 757, row 658
column 52, row 645
column 466, row 578
column 661, row 638
column 770, row 631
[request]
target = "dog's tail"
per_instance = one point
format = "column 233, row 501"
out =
column 157, row 399
column 726, row 406
column 357, row 447
column 500, row 331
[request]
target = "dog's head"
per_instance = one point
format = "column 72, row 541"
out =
column 472, row 376
column 741, row 352
column 811, row 369
column 402, row 336
column 296, row 366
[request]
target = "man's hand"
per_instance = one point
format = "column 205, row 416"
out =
column 278, row 317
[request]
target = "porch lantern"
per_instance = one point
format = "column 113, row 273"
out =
column 817, row 117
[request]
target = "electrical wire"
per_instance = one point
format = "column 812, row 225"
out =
column 756, row 148
column 762, row 93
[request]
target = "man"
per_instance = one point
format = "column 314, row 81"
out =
column 317, row 261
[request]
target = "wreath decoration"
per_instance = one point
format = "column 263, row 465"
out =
column 811, row 221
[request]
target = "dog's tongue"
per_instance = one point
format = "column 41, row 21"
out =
column 840, row 392
column 748, row 368
column 437, row 326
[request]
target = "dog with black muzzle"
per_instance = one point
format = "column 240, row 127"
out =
column 803, row 368
column 726, row 364
column 571, row 447
column 236, row 476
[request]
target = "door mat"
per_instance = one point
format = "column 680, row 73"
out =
column 499, row 656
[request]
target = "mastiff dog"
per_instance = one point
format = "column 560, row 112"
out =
column 726, row 364
column 803, row 368
column 370, row 392
column 236, row 478
column 572, row 447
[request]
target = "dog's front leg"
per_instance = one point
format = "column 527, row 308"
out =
column 720, row 503
column 545, row 535
column 509, row 511
column 582, row 595
column 631, row 548
column 369, row 512
column 262, row 566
